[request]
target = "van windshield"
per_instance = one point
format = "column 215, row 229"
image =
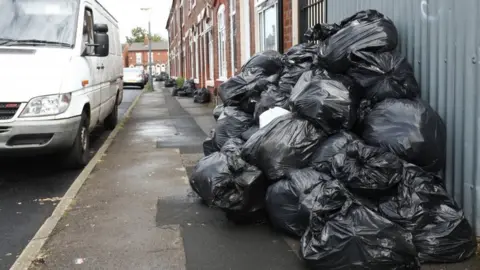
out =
column 42, row 22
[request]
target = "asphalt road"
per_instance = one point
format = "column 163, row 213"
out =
column 31, row 188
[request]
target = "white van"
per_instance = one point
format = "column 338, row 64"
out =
column 74, row 57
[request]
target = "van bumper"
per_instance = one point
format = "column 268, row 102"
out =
column 26, row 138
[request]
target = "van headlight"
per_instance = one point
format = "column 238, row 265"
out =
column 47, row 105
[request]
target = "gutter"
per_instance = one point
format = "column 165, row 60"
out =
column 280, row 26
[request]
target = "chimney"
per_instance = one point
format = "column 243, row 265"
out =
column 145, row 40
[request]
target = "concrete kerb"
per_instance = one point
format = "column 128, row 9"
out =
column 32, row 250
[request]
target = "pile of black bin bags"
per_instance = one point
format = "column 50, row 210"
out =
column 353, row 169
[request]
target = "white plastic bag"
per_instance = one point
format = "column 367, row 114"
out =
column 271, row 114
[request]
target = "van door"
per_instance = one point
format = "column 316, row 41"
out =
column 105, row 67
column 93, row 87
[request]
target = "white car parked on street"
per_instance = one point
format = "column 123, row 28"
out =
column 74, row 48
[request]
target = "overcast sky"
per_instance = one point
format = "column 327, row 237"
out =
column 129, row 15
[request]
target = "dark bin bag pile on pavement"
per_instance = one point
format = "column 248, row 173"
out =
column 201, row 96
column 383, row 75
column 366, row 31
column 209, row 146
column 298, row 59
column 188, row 88
column 223, row 180
column 284, row 144
column 284, row 199
column 409, row 128
column 232, row 125
column 325, row 101
column 270, row 62
column 422, row 206
column 249, row 133
column 218, row 111
column 330, row 147
column 343, row 233
column 270, row 98
column 367, row 170
column 348, row 158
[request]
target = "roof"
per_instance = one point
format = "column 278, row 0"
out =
column 156, row 46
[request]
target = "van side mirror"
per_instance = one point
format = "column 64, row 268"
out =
column 101, row 41
column 101, row 44
column 100, row 28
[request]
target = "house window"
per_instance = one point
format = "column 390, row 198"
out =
column 191, row 59
column 138, row 57
column 233, row 33
column 209, row 42
column 192, row 4
column 196, row 60
column 184, row 67
column 268, row 26
column 222, row 56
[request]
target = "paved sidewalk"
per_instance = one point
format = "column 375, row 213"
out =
column 137, row 211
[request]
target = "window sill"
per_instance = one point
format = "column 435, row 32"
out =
column 210, row 83
column 197, row 81
column 222, row 79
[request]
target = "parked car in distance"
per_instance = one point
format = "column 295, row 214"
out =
column 133, row 77
column 163, row 76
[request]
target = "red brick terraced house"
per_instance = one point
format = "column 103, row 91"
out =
column 209, row 40
column 137, row 54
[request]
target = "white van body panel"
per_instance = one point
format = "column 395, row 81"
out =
column 59, row 70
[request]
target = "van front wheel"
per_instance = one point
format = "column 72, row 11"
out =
column 78, row 155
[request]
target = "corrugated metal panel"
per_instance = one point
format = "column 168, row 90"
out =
column 441, row 39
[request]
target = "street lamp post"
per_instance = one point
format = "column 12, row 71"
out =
column 150, row 60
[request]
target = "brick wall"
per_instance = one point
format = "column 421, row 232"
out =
column 253, row 14
column 158, row 57
column 287, row 24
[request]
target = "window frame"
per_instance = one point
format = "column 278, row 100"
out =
column 197, row 66
column 222, row 55
column 261, row 9
column 233, row 13
column 90, row 50
column 191, row 60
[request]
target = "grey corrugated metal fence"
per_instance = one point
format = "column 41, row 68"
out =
column 441, row 39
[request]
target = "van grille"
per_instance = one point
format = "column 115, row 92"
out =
column 8, row 110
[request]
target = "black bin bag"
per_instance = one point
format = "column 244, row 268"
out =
column 441, row 233
column 284, row 198
column 223, row 180
column 285, row 143
column 233, row 91
column 269, row 61
column 367, row 170
column 325, row 100
column 365, row 31
column 201, row 96
column 270, row 98
column 232, row 125
column 249, row 133
column 298, row 59
column 409, row 128
column 344, row 234
column 383, row 75
column 217, row 111
column 247, row 83
column 333, row 145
